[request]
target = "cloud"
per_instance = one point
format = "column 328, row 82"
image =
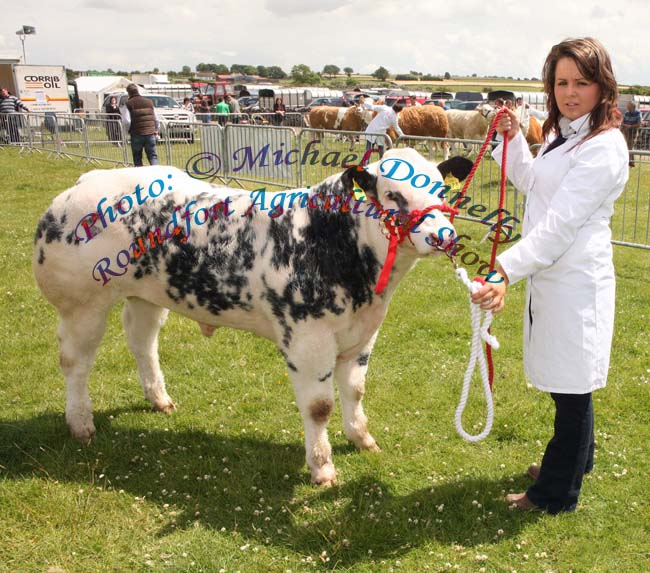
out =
column 288, row 8
column 122, row 5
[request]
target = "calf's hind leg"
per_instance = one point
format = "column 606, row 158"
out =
column 80, row 331
column 311, row 362
column 142, row 322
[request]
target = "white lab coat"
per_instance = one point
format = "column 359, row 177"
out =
column 385, row 118
column 566, row 255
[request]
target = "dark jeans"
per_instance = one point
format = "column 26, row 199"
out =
column 569, row 454
column 148, row 142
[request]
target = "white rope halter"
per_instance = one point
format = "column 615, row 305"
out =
column 479, row 331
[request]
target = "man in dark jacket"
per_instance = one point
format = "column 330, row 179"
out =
column 142, row 123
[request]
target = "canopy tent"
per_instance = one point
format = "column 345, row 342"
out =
column 94, row 89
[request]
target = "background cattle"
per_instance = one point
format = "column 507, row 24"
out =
column 424, row 121
column 354, row 118
column 534, row 132
column 464, row 124
column 303, row 278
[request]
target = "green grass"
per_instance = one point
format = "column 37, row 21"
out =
column 221, row 483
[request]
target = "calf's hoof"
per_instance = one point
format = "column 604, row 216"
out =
column 166, row 407
column 369, row 445
column 324, row 476
column 82, row 432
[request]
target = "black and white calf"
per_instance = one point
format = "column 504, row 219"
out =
column 303, row 279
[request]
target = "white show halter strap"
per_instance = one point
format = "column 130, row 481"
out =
column 479, row 331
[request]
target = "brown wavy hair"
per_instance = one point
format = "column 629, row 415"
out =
column 594, row 64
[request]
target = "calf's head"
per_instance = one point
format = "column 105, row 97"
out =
column 407, row 184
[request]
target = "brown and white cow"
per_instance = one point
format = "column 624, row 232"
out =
column 424, row 121
column 303, row 278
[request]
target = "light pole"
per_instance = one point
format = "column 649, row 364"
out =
column 25, row 31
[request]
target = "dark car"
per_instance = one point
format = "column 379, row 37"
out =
column 248, row 103
column 470, row 96
column 441, row 95
column 463, row 105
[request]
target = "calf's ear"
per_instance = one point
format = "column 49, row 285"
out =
column 458, row 166
column 359, row 176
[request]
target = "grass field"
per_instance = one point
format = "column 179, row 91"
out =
column 221, row 484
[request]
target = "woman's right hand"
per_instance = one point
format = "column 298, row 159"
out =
column 508, row 122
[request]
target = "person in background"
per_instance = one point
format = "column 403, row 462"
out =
column 413, row 101
column 11, row 105
column 509, row 104
column 188, row 105
column 233, row 104
column 223, row 111
column 630, row 127
column 112, row 125
column 386, row 117
column 280, row 110
column 441, row 103
column 204, row 110
column 566, row 255
column 498, row 104
column 141, row 122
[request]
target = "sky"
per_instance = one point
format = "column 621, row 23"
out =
column 502, row 37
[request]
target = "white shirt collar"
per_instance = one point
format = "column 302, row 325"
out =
column 576, row 127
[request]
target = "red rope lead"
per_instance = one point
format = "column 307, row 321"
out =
column 495, row 243
column 502, row 196
column 397, row 234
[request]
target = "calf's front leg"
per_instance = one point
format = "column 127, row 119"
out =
column 351, row 379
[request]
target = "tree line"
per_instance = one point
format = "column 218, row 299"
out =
column 301, row 74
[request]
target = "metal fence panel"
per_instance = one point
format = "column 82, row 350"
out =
column 326, row 152
column 41, row 132
column 70, row 130
column 261, row 154
column 200, row 152
column 481, row 202
column 631, row 221
column 107, row 140
column 14, row 129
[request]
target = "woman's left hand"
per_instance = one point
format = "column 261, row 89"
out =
column 491, row 296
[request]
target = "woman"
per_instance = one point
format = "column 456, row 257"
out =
column 114, row 119
column 566, row 255
column 279, row 110
column 188, row 105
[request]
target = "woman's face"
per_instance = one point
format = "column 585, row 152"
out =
column 574, row 94
column 113, row 101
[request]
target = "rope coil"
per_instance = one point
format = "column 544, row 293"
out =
column 482, row 331
column 479, row 331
